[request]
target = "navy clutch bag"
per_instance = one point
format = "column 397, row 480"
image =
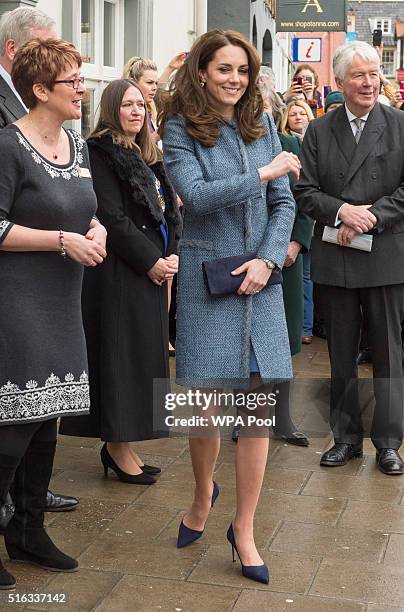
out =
column 221, row 282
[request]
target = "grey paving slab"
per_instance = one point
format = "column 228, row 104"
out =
column 375, row 515
column 330, row 542
column 146, row 594
column 85, row 589
column 281, row 602
column 360, row 581
column 140, row 557
column 332, row 484
column 92, row 515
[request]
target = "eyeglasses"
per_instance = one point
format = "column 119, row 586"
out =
column 75, row 83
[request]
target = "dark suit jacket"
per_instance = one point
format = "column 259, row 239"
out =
column 336, row 170
column 11, row 108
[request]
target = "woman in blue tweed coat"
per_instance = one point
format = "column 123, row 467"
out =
column 224, row 160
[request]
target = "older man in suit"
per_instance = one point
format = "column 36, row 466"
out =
column 16, row 28
column 352, row 180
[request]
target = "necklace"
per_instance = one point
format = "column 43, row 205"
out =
column 43, row 138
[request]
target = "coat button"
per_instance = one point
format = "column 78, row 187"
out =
column 374, row 175
column 341, row 175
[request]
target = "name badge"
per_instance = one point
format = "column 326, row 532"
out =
column 84, row 173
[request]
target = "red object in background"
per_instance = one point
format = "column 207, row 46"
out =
column 401, row 86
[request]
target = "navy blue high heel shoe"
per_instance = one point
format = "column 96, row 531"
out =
column 186, row 535
column 259, row 573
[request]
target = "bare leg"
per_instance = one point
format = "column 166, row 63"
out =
column 204, row 452
column 251, row 458
column 121, row 453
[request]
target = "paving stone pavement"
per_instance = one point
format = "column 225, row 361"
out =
column 333, row 538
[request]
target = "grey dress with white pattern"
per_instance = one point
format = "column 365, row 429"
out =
column 43, row 361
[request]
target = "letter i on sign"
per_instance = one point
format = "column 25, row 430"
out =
column 308, row 52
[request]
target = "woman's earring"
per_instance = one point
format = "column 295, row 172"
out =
column 202, row 83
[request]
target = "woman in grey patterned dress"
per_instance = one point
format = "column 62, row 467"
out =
column 47, row 233
column 225, row 162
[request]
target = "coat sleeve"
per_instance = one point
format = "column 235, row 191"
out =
column 124, row 237
column 389, row 210
column 202, row 197
column 309, row 197
column 303, row 226
column 281, row 204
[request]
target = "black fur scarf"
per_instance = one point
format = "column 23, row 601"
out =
column 132, row 170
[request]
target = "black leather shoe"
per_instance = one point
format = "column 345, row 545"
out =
column 297, row 438
column 389, row 462
column 364, row 356
column 6, row 513
column 60, row 503
column 340, row 454
column 7, row 581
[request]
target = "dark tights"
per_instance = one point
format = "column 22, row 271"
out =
column 15, row 439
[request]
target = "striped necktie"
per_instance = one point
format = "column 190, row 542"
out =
column 359, row 128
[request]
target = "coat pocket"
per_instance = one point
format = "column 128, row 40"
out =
column 398, row 227
column 203, row 245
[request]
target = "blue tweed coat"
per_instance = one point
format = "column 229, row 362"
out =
column 228, row 211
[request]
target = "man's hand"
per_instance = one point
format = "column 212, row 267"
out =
column 359, row 218
column 346, row 234
column 293, row 251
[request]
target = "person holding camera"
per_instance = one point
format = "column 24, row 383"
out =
column 304, row 86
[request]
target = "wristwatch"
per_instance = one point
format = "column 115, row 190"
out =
column 271, row 265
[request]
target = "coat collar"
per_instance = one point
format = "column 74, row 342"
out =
column 10, row 101
column 132, row 170
column 355, row 154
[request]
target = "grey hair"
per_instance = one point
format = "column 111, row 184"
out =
column 267, row 72
column 18, row 25
column 344, row 55
column 268, row 93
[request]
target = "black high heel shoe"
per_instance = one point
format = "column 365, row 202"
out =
column 186, row 535
column 150, row 469
column 109, row 463
column 259, row 573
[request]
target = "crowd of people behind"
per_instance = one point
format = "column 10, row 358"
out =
column 197, row 165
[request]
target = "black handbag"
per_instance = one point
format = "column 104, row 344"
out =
column 221, row 282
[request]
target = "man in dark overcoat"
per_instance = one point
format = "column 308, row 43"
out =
column 352, row 181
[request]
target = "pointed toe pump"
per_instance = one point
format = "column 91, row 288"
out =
column 186, row 535
column 109, row 463
column 259, row 573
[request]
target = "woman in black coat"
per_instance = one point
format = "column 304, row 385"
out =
column 125, row 305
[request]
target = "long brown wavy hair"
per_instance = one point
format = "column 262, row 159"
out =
column 187, row 98
column 109, row 123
